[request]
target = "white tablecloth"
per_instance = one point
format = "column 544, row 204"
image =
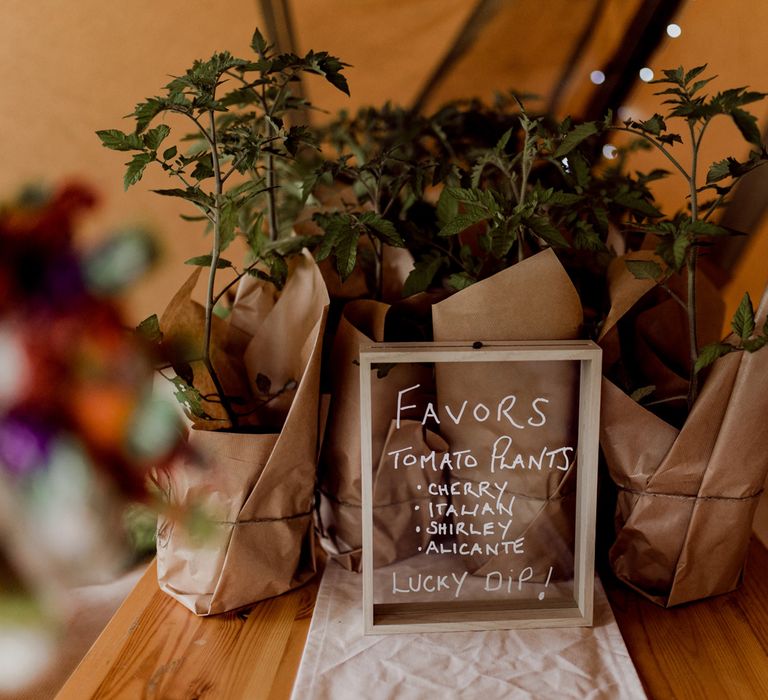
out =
column 340, row 663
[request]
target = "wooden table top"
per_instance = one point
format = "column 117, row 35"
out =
column 155, row 648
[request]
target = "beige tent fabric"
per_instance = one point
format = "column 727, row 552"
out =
column 116, row 53
column 527, row 46
column 392, row 46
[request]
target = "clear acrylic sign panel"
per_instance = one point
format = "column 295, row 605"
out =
column 479, row 484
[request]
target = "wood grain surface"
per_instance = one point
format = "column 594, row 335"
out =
column 716, row 648
column 154, row 648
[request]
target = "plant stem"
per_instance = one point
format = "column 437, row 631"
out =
column 525, row 170
column 210, row 299
column 233, row 282
column 274, row 229
column 271, row 199
column 658, row 145
column 692, row 255
column 667, row 400
column 674, row 296
column 378, row 252
column 692, row 334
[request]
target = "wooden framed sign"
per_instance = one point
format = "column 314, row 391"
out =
column 479, row 481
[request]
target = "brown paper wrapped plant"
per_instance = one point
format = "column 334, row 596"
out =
column 246, row 372
column 683, row 412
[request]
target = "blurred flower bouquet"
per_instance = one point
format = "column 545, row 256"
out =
column 79, row 427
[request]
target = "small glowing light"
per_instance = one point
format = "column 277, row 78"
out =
column 674, row 30
column 566, row 165
column 609, row 151
column 646, row 75
column 597, row 77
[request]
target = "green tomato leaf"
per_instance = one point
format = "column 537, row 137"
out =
column 719, row 170
column 191, row 194
column 228, row 224
column 710, row 353
column 461, row 223
column 644, row 269
column 422, row 275
column 382, row 228
column 564, row 199
column 635, row 202
column 460, row 280
column 501, row 144
column 154, row 137
column 743, row 322
column 586, row 238
column 145, row 112
column 544, row 229
column 135, row 168
column 502, row 238
column 655, row 125
column 579, row 167
column 746, row 123
column 205, row 261
column 116, row 140
column 149, row 330
column 258, row 43
column 691, row 74
column 345, row 252
column 575, row 137
column 754, row 344
column 642, row 393
column 680, row 248
column 704, row 228
column 447, row 207
column 190, row 398
column 340, row 239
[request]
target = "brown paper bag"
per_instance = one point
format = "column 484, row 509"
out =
column 363, row 322
column 258, row 489
column 394, row 494
column 533, row 300
column 686, row 497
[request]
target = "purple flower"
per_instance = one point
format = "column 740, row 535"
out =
column 24, row 445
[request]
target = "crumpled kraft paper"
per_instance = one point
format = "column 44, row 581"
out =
column 258, row 488
column 533, row 300
column 686, row 497
column 339, row 663
column 340, row 472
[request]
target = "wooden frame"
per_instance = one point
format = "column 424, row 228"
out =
column 390, row 618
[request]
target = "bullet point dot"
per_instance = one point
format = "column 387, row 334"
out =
column 416, row 507
column 418, row 487
column 418, row 529
column 419, row 548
